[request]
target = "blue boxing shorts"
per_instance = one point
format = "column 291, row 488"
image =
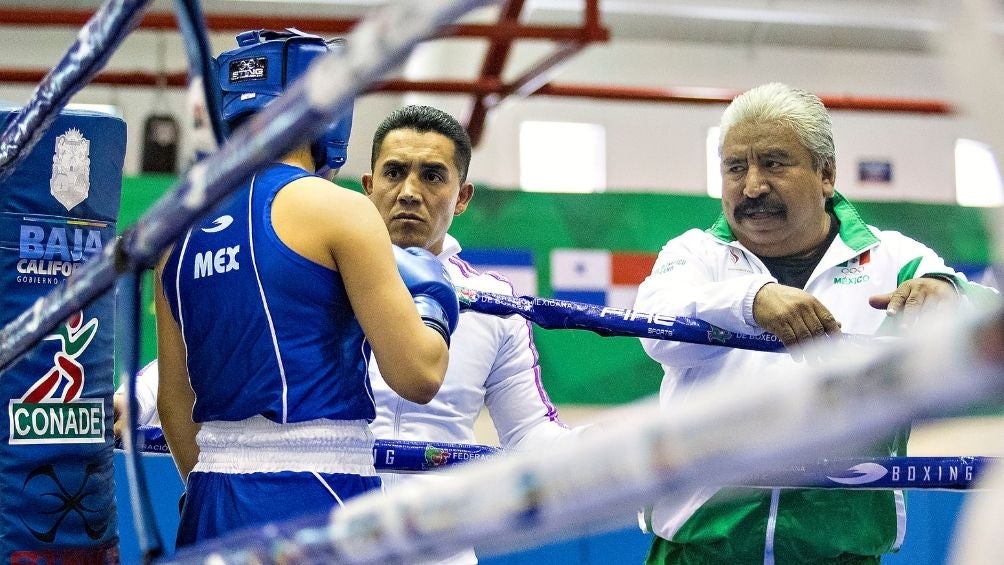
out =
column 255, row 471
column 218, row 503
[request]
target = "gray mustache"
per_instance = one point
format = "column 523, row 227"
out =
column 749, row 208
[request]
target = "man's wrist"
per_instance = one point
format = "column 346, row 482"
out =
column 950, row 279
column 750, row 299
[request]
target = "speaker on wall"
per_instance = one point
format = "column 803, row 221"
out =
column 161, row 137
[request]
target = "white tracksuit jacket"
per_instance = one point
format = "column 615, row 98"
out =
column 711, row 276
column 493, row 364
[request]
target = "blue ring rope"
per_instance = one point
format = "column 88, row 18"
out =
column 549, row 313
column 858, row 473
column 192, row 25
column 128, row 323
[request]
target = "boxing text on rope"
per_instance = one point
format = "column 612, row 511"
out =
column 860, row 473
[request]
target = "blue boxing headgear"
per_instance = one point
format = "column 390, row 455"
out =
column 258, row 72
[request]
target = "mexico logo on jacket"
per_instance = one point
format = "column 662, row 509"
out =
column 52, row 411
column 853, row 271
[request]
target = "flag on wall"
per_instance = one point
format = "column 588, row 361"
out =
column 598, row 276
column 514, row 264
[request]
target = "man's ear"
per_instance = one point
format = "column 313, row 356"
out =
column 367, row 183
column 464, row 198
column 829, row 176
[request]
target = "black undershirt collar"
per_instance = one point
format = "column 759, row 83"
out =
column 795, row 270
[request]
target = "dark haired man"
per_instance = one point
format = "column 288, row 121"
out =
column 418, row 184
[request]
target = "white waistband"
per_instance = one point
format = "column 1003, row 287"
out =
column 259, row 445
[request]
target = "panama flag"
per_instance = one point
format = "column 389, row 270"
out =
column 516, row 265
column 599, row 276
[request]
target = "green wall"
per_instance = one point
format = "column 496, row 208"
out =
column 577, row 366
column 138, row 193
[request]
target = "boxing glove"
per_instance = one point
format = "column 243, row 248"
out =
column 431, row 288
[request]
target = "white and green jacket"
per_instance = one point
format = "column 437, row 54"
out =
column 711, row 276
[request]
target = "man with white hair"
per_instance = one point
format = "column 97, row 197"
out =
column 791, row 256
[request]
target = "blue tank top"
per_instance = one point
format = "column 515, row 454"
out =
column 267, row 330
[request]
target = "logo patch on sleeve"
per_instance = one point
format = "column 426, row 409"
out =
column 252, row 68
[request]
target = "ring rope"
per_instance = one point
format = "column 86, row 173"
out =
column 201, row 80
column 549, row 313
column 858, row 473
column 127, row 314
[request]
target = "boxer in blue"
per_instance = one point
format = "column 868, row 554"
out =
column 266, row 311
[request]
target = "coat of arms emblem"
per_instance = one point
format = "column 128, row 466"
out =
column 71, row 169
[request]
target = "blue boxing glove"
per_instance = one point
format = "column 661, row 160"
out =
column 431, row 288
